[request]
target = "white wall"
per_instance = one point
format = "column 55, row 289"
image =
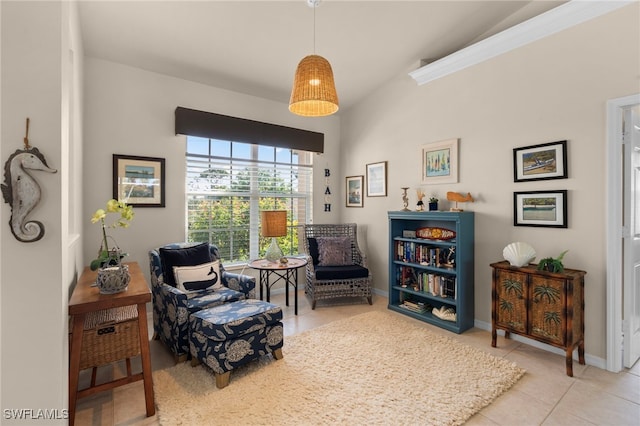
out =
column 40, row 80
column 130, row 111
column 553, row 89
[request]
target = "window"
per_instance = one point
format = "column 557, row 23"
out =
column 229, row 183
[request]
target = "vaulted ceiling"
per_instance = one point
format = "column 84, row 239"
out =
column 253, row 47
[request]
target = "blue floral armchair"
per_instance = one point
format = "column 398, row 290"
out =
column 172, row 306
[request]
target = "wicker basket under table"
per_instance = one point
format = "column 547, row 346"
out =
column 110, row 335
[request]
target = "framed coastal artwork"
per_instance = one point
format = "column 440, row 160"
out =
column 377, row 179
column 440, row 162
column 540, row 162
column 353, row 189
column 540, row 208
column 138, row 181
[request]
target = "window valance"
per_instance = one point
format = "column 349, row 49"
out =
column 216, row 126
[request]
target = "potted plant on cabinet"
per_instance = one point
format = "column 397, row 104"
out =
column 552, row 265
column 433, row 204
column 113, row 276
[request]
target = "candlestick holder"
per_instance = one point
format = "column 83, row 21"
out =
column 405, row 199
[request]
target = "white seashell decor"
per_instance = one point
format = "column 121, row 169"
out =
column 519, row 253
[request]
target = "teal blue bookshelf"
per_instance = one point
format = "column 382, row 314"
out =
column 428, row 273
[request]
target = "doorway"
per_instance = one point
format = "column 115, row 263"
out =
column 623, row 235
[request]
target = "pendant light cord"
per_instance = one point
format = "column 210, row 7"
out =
column 315, row 6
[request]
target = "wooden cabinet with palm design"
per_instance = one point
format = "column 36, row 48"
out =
column 544, row 306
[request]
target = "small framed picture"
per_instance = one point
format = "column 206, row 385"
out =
column 377, row 179
column 540, row 162
column 354, row 190
column 440, row 162
column 540, row 208
column 138, row 181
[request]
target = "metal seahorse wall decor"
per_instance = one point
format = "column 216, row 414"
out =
column 22, row 191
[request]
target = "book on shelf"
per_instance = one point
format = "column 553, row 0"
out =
column 449, row 288
column 428, row 282
column 412, row 252
column 418, row 307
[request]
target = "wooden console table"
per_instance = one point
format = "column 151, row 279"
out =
column 87, row 300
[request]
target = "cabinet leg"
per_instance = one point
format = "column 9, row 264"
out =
column 581, row 352
column 569, row 362
column 494, row 338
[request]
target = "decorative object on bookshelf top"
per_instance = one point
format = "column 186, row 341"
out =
column 405, row 199
column 433, row 204
column 459, row 198
column 435, row 233
column 420, row 204
column 519, row 253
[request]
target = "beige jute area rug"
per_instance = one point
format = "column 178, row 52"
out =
column 373, row 368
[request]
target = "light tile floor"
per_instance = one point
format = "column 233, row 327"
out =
column 544, row 396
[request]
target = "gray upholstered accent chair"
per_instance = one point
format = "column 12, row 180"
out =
column 336, row 266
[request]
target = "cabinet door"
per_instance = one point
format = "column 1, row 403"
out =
column 548, row 316
column 511, row 307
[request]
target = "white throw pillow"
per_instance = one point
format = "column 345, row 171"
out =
column 199, row 277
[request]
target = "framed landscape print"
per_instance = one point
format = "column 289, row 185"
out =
column 138, row 181
column 540, row 162
column 354, row 190
column 540, row 208
column 377, row 179
column 440, row 162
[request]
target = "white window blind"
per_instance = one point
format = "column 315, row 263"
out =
column 229, row 183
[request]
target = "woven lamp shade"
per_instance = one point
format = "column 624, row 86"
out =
column 314, row 91
column 274, row 223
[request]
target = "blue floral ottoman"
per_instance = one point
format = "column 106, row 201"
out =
column 229, row 335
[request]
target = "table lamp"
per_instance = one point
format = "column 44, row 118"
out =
column 274, row 224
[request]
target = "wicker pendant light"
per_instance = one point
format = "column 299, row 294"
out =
column 314, row 91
